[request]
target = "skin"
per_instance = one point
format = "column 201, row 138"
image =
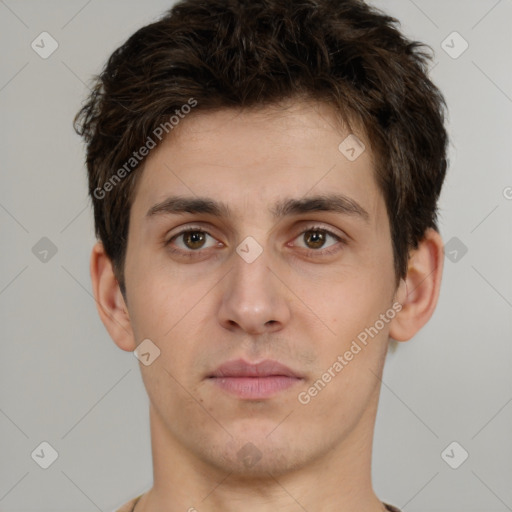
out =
column 294, row 303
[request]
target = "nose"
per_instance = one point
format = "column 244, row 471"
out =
column 254, row 298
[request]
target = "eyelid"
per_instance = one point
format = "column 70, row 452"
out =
column 315, row 225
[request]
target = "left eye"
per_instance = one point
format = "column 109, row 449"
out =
column 315, row 238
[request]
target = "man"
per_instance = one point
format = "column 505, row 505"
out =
column 264, row 176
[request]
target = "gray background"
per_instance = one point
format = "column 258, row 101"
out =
column 62, row 380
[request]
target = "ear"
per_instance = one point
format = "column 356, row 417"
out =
column 109, row 299
column 419, row 291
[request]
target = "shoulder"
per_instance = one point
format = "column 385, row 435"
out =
column 128, row 507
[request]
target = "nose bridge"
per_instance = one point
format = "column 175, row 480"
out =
column 252, row 296
column 251, row 274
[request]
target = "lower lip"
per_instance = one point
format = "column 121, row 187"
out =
column 255, row 387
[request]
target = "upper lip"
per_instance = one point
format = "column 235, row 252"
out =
column 241, row 368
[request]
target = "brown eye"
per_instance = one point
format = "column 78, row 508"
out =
column 314, row 239
column 194, row 239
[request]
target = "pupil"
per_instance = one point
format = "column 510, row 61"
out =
column 196, row 239
column 316, row 238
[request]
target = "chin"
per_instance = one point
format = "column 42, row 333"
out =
column 252, row 457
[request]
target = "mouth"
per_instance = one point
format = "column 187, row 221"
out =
column 254, row 381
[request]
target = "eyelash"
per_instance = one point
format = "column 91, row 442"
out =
column 308, row 252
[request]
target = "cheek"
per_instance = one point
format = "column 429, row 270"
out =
column 350, row 301
column 354, row 348
column 157, row 300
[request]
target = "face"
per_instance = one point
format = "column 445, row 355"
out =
column 261, row 307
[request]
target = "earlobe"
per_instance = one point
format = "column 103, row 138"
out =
column 419, row 291
column 109, row 299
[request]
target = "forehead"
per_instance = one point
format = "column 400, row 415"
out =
column 250, row 157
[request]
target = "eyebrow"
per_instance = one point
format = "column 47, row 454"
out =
column 337, row 203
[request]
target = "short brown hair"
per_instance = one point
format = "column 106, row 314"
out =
column 250, row 53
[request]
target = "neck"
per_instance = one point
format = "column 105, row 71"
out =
column 337, row 481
